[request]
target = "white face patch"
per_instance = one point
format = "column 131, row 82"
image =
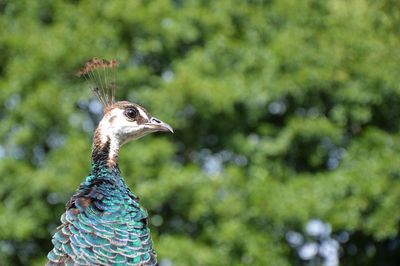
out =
column 119, row 129
column 121, row 124
column 143, row 113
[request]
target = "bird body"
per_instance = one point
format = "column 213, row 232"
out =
column 104, row 223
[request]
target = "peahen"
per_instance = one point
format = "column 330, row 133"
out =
column 104, row 223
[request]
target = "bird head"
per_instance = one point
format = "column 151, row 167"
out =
column 125, row 121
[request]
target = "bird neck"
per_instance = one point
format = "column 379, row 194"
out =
column 105, row 150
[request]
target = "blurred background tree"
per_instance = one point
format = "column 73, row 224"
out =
column 286, row 114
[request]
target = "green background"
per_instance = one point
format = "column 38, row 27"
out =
column 284, row 112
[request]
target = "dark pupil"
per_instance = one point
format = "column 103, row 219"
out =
column 131, row 113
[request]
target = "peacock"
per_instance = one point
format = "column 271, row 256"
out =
column 104, row 223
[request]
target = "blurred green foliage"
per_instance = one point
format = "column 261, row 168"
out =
column 284, row 111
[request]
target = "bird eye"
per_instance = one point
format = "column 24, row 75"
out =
column 131, row 113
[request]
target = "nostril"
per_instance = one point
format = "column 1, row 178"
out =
column 156, row 120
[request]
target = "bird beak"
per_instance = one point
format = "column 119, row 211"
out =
column 156, row 124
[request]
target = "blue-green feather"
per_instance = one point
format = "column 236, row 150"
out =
column 104, row 225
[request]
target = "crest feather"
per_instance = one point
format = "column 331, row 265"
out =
column 100, row 73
